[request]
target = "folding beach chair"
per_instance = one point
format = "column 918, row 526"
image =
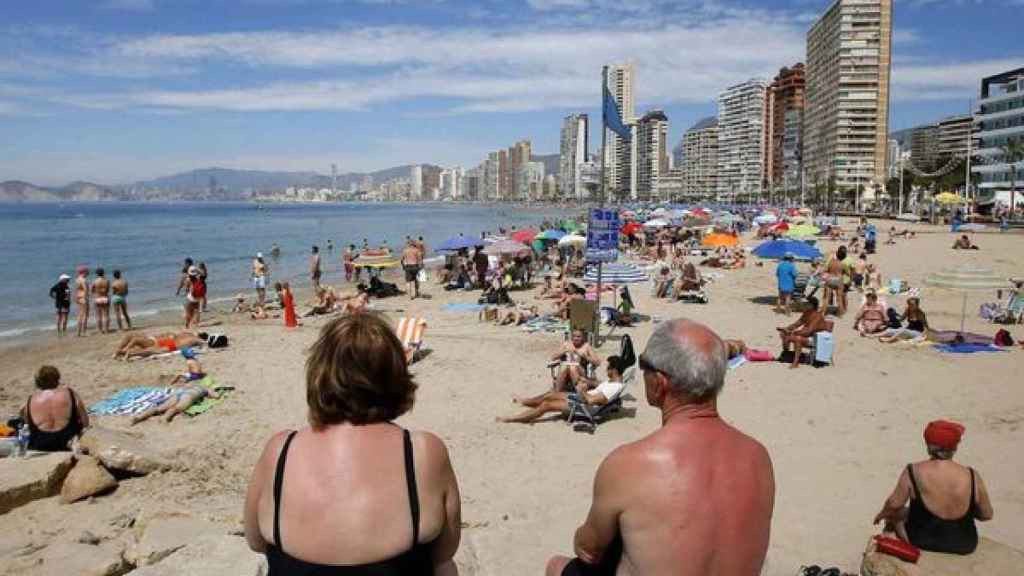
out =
column 410, row 333
column 586, row 417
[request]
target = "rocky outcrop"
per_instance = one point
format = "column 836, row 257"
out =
column 162, row 536
column 23, row 480
column 222, row 555
column 86, row 479
column 990, row 559
column 122, row 452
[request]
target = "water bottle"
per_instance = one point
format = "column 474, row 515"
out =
column 23, row 439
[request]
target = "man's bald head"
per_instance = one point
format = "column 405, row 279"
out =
column 690, row 355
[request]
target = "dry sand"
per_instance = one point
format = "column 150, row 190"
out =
column 838, row 436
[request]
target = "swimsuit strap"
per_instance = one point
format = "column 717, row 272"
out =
column 410, row 480
column 971, row 509
column 278, row 485
column 913, row 481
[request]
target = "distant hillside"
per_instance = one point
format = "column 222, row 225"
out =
column 17, row 191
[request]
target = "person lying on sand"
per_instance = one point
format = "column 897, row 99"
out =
column 355, row 304
column 516, row 316
column 184, row 396
column 573, row 358
column 735, row 348
column 964, row 243
column 688, row 281
column 325, row 304
column 241, row 306
column 141, row 346
column 554, row 401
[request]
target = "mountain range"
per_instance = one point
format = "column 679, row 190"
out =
column 209, row 184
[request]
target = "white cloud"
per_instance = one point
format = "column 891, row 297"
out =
column 947, row 81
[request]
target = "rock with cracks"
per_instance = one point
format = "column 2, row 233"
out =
column 163, row 536
column 86, row 479
column 990, row 559
column 122, row 452
column 23, row 480
column 222, row 555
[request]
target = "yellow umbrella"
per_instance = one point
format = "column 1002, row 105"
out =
column 947, row 198
column 716, row 240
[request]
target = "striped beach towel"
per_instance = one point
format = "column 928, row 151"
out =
column 131, row 401
column 410, row 332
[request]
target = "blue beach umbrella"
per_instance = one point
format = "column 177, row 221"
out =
column 458, row 243
column 777, row 249
column 550, row 235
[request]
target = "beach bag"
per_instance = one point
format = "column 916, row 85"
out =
column 895, row 284
column 823, row 348
column 895, row 547
column 217, row 341
column 1003, row 338
column 627, row 353
column 759, row 355
column 421, row 276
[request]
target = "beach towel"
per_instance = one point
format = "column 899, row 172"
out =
column 131, row 401
column 207, row 403
column 737, row 362
column 967, row 348
column 545, row 324
column 462, row 307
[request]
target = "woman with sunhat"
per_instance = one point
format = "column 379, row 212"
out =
column 945, row 498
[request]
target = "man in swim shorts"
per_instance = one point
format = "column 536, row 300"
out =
column 119, row 300
column 411, row 264
column 259, row 278
column 314, row 268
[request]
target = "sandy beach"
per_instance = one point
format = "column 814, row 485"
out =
column 838, row 435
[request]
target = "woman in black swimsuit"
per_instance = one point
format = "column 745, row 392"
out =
column 945, row 497
column 353, row 493
column 55, row 415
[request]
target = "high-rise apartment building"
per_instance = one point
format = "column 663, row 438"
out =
column 786, row 114
column 953, row 134
column 492, row 178
column 651, row 153
column 741, row 134
column 518, row 158
column 416, row 182
column 895, row 152
column 618, row 154
column 573, row 153
column 1000, row 121
column 846, row 120
column 471, row 185
column 504, row 176
column 452, row 182
column 701, row 152
column 924, row 147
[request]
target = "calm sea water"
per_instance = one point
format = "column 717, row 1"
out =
column 148, row 243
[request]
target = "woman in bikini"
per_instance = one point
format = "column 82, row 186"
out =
column 141, row 346
column 101, row 293
column 82, row 300
column 871, row 318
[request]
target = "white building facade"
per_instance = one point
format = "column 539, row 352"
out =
column 999, row 121
column 741, row 140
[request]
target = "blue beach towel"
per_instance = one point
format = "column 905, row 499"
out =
column 462, row 307
column 131, row 401
column 967, row 348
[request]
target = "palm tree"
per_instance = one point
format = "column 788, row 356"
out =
column 1013, row 152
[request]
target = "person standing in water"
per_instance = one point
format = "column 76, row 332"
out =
column 259, row 278
column 101, row 292
column 314, row 269
column 119, row 299
column 348, row 259
column 61, row 294
column 82, row 300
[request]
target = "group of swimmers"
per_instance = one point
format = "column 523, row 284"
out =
column 103, row 293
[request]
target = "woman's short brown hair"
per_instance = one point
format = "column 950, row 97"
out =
column 356, row 372
column 47, row 378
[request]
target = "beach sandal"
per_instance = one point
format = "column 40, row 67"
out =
column 812, row 570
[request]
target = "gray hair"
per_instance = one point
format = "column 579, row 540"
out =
column 940, row 453
column 691, row 356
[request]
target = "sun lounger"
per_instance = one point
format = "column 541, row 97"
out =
column 410, row 333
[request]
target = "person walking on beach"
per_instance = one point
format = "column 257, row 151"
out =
column 119, row 300
column 195, row 295
column 694, row 497
column 348, row 260
column 101, row 293
column 411, row 260
column 785, row 275
column 314, row 269
column 183, row 281
column 61, row 294
column 259, row 278
column 82, row 300
column 204, row 275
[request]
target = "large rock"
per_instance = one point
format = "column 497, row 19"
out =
column 214, row 556
column 990, row 559
column 163, row 536
column 23, row 480
column 63, row 559
column 86, row 479
column 122, row 451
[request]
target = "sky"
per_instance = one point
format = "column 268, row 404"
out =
column 115, row 91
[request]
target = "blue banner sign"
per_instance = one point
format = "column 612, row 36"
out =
column 603, row 236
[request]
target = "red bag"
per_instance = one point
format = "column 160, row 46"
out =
column 895, row 547
column 759, row 356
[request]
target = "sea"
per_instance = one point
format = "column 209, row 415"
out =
column 148, row 243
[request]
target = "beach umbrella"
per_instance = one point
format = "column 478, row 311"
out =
column 717, row 240
column 777, row 249
column 630, row 228
column 966, row 279
column 699, row 213
column 803, row 231
column 947, row 198
column 505, row 247
column 656, row 223
column 781, row 227
column 766, row 219
column 573, row 240
column 524, row 236
column 616, row 273
column 550, row 235
column 458, row 243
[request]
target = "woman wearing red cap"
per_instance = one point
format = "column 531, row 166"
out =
column 945, row 497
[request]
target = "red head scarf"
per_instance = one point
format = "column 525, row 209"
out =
column 943, row 434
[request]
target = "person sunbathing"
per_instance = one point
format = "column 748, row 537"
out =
column 798, row 335
column 964, row 243
column 917, row 324
column 689, row 281
column 573, row 358
column 662, row 282
column 141, row 346
column 552, row 290
column 181, row 397
column 241, row 306
column 516, row 316
column 871, row 318
column 562, row 402
column 956, row 497
column 356, row 304
column 735, row 348
column 572, row 292
column 326, row 302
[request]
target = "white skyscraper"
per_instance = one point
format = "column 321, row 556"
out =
column 416, row 182
column 651, row 153
column 741, row 139
column 619, row 156
column 573, row 153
